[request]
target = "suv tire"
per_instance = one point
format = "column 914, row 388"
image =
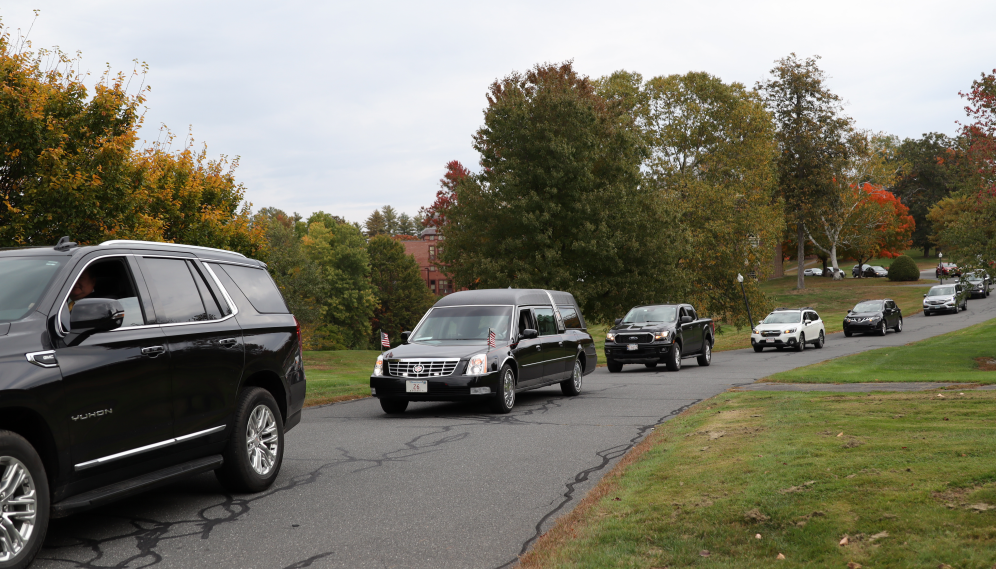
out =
column 899, row 326
column 504, row 400
column 801, row 344
column 820, row 341
column 17, row 453
column 572, row 385
column 251, row 465
column 758, row 348
column 393, row 406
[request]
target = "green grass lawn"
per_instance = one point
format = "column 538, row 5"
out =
column 952, row 357
column 908, row 480
column 338, row 375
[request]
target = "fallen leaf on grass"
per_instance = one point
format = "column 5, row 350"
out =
column 780, row 556
column 879, row 535
column 840, row 434
column 703, row 448
column 943, row 566
column 940, row 395
column 844, row 541
column 853, row 443
column 757, row 536
column 982, row 507
column 705, row 553
column 853, row 565
column 850, row 476
column 716, row 434
column 755, row 515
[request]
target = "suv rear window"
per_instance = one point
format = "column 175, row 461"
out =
column 258, row 287
column 22, row 282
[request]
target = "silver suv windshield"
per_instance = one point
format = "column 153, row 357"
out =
column 941, row 291
column 22, row 282
column 643, row 314
column 783, row 318
column 464, row 323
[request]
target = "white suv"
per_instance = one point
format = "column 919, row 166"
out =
column 789, row 327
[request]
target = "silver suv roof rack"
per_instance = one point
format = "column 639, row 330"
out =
column 133, row 242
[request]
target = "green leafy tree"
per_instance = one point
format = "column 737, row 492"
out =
column 390, row 220
column 401, row 293
column 812, row 138
column 407, row 225
column 298, row 279
column 712, row 161
column 559, row 202
column 375, row 224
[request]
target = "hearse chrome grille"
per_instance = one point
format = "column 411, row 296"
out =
column 422, row 368
column 629, row 338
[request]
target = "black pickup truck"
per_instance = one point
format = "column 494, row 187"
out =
column 658, row 333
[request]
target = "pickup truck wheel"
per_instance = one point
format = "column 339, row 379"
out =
column 674, row 359
column 256, row 449
column 24, row 501
column 505, row 398
column 705, row 358
column 572, row 386
column 614, row 367
column 801, row 344
column 651, row 365
column 393, row 406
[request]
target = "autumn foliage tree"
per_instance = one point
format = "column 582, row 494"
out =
column 436, row 214
column 69, row 164
column 880, row 225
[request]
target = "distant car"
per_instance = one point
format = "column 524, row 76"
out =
column 978, row 284
column 947, row 270
column 876, row 271
column 837, row 274
column 789, row 327
column 813, row 272
column 873, row 316
column 945, row 298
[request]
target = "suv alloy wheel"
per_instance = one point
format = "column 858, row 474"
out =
column 24, row 501
column 256, row 449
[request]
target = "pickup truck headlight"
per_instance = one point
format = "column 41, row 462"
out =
column 379, row 366
column 790, row 331
column 610, row 337
column 478, row 365
column 662, row 336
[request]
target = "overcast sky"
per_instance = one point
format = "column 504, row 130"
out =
column 348, row 106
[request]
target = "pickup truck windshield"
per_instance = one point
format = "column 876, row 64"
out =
column 783, row 318
column 941, row 291
column 459, row 323
column 644, row 314
column 22, row 282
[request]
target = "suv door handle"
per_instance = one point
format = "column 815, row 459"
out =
column 153, row 351
column 561, row 342
column 539, row 346
column 228, row 342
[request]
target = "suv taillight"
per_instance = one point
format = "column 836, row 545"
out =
column 300, row 343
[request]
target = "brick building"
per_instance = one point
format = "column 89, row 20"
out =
column 426, row 251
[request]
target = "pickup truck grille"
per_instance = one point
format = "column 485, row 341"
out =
column 637, row 338
column 421, row 368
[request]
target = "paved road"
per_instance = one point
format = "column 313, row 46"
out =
column 444, row 486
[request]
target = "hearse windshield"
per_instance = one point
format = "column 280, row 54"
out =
column 22, row 282
column 464, row 323
column 644, row 314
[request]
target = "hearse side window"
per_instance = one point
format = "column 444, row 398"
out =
column 571, row 319
column 178, row 299
column 546, row 321
column 258, row 287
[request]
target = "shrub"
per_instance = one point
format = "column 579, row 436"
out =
column 904, row 268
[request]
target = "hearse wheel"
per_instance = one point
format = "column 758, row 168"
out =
column 572, row 386
column 674, row 361
column 24, row 501
column 393, row 406
column 504, row 400
column 256, row 449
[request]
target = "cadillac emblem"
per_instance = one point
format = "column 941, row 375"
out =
column 418, row 368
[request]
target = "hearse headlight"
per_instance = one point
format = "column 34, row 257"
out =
column 478, row 365
column 662, row 336
column 379, row 366
column 610, row 336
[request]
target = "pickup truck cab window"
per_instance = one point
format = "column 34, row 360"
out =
column 643, row 314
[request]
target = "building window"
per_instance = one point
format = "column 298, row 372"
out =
column 432, row 286
column 445, row 287
column 432, row 252
column 432, row 269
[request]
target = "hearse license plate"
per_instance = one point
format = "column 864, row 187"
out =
column 416, row 386
column 632, row 347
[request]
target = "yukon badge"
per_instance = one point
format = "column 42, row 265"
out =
column 92, row 414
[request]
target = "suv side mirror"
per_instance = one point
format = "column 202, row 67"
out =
column 850, row 311
column 528, row 334
column 686, row 319
column 925, row 295
column 807, row 322
column 618, row 320
column 95, row 315
column 404, row 337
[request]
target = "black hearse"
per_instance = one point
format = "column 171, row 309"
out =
column 540, row 339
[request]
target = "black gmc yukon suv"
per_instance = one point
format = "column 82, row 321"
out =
column 540, row 339
column 128, row 365
column 659, row 333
